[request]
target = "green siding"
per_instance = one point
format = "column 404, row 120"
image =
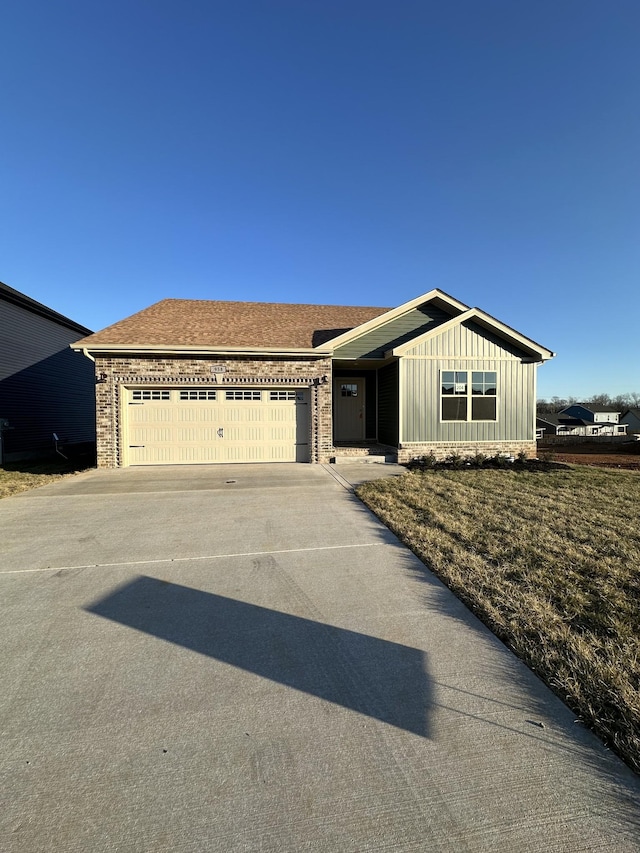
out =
column 388, row 404
column 467, row 348
column 467, row 340
column 374, row 344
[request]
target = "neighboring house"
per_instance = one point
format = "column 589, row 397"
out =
column 603, row 421
column 45, row 388
column 554, row 424
column 194, row 381
column 560, row 424
column 632, row 420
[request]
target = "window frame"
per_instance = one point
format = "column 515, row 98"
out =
column 468, row 395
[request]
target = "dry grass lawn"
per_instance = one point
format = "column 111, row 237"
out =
column 22, row 476
column 550, row 561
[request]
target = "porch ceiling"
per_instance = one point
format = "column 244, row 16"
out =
column 361, row 363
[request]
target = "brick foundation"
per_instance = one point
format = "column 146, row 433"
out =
column 442, row 449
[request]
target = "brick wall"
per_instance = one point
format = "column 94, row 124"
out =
column 117, row 373
column 442, row 449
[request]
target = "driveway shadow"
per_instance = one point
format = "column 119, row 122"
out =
column 384, row 680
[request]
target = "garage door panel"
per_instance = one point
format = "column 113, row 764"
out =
column 195, row 435
column 174, row 426
column 198, row 454
column 151, row 435
column 150, row 455
column 199, row 414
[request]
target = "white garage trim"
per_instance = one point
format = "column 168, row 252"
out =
column 190, row 426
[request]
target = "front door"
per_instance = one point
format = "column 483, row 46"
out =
column 348, row 410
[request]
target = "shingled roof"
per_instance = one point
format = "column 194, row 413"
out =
column 202, row 323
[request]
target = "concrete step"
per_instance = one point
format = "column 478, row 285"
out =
column 371, row 459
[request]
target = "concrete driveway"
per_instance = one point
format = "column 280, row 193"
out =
column 242, row 658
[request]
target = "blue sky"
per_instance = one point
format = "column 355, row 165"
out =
column 342, row 152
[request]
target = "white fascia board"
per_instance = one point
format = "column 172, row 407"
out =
column 482, row 318
column 352, row 334
column 150, row 349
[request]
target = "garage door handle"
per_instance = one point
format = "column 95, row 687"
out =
column 221, row 432
column 133, row 446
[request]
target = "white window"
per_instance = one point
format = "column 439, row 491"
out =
column 151, row 395
column 197, row 395
column 282, row 395
column 462, row 400
column 243, row 395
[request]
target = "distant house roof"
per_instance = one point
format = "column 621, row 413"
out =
column 634, row 412
column 591, row 408
column 200, row 322
column 560, row 420
column 8, row 294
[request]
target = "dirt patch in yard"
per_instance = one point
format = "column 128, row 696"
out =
column 625, row 456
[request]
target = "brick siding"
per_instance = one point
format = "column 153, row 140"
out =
column 442, row 449
column 118, row 373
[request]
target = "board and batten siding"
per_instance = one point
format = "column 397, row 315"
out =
column 375, row 343
column 45, row 387
column 388, row 390
column 466, row 347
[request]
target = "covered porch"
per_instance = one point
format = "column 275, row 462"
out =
column 365, row 408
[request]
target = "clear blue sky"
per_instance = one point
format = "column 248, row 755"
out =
column 346, row 152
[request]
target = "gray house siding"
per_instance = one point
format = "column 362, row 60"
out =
column 45, row 387
column 632, row 418
column 466, row 347
column 374, row 344
column 388, row 409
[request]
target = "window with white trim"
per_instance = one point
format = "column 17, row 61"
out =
column 282, row 395
column 243, row 395
column 151, row 395
column 462, row 400
column 198, row 395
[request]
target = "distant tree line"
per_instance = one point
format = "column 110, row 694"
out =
column 620, row 403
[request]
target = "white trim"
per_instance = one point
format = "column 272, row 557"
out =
column 483, row 319
column 400, row 401
column 199, row 350
column 468, row 397
column 535, row 403
column 476, row 359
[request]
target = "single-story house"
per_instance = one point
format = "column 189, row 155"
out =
column 45, row 388
column 554, row 424
column 194, row 381
column 632, row 420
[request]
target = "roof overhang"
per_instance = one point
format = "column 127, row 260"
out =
column 158, row 349
column 8, row 294
column 481, row 318
column 437, row 297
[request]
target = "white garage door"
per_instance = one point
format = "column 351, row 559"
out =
column 169, row 426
